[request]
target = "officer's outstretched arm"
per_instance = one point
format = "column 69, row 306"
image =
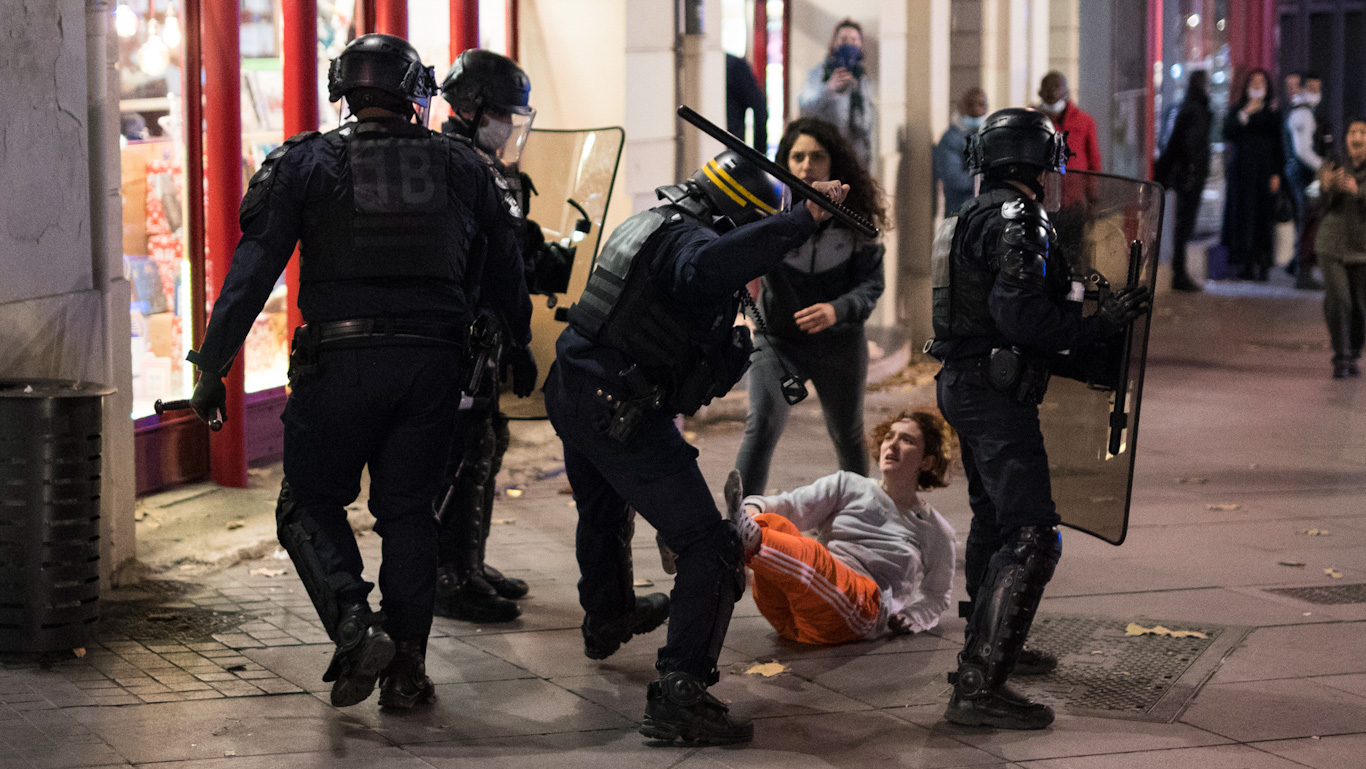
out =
column 710, row 268
column 271, row 217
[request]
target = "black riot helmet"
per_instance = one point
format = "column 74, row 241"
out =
column 484, row 84
column 1017, row 143
column 737, row 189
column 389, row 70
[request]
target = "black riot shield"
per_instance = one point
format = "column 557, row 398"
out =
column 1109, row 229
column 573, row 172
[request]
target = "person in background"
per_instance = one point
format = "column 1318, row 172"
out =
column 1056, row 102
column 1341, row 246
column 814, row 303
column 882, row 559
column 1255, row 159
column 840, row 92
column 951, row 175
column 745, row 94
column 1302, row 163
column 1183, row 167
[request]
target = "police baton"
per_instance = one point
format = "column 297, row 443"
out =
column 732, row 142
column 183, row 404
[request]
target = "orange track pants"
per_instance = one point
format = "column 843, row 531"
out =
column 805, row 592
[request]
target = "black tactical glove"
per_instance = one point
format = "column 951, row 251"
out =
column 1122, row 307
column 524, row 374
column 210, row 398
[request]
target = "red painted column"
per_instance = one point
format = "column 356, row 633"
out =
column 223, row 171
column 760, row 48
column 1149, row 104
column 300, row 20
column 191, row 63
column 391, row 17
column 464, row 26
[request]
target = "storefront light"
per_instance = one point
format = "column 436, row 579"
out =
column 153, row 56
column 171, row 33
column 125, row 21
column 1193, row 20
column 1220, row 24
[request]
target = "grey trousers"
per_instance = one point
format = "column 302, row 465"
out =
column 1344, row 306
column 839, row 373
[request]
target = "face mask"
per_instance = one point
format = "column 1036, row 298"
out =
column 1312, row 99
column 1256, row 93
column 969, row 124
column 1055, row 108
column 492, row 136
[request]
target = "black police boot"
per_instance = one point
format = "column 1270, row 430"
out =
column 507, row 587
column 471, row 599
column 404, row 683
column 601, row 640
column 363, row 650
column 974, row 703
column 678, row 707
column 1001, row 617
column 1034, row 662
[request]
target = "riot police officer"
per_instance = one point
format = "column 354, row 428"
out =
column 1001, row 320
column 652, row 336
column 384, row 212
column 490, row 107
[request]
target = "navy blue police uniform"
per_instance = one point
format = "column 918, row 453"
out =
column 384, row 212
column 654, row 335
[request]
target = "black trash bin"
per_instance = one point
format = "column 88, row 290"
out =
column 49, row 513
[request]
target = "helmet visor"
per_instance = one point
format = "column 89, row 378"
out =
column 504, row 133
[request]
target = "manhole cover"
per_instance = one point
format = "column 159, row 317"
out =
column 1104, row 672
column 1324, row 595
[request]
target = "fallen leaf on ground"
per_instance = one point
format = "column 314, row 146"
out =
column 151, row 523
column 642, row 583
column 1334, row 573
column 79, row 651
column 571, row 503
column 514, row 492
column 139, row 515
column 689, row 436
column 566, row 489
column 1295, row 564
column 1224, row 506
column 280, row 554
column 1136, row 629
column 767, row 669
column 188, row 566
column 1317, row 533
column 1097, row 651
column 237, row 524
column 265, row 572
column 503, row 521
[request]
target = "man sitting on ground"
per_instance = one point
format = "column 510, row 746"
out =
column 883, row 559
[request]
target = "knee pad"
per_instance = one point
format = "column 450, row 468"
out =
column 1037, row 550
column 296, row 530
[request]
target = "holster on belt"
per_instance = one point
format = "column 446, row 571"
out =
column 627, row 413
column 1018, row 374
column 303, row 351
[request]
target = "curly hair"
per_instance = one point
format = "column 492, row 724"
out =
column 940, row 443
column 865, row 194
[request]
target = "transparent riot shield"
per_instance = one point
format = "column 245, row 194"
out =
column 573, row 172
column 1109, row 228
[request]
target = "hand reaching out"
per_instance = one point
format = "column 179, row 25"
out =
column 833, row 190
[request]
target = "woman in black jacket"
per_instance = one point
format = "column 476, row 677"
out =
column 815, row 303
column 1183, row 167
column 1252, row 134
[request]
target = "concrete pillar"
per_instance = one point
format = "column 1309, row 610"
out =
column 915, row 112
column 965, row 46
column 648, row 102
column 1064, row 39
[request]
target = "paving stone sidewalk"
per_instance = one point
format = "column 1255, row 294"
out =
column 1247, row 446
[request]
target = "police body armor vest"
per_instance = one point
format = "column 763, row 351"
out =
column 394, row 216
column 621, row 309
column 963, row 274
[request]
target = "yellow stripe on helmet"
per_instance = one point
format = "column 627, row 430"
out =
column 761, row 205
column 707, row 169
